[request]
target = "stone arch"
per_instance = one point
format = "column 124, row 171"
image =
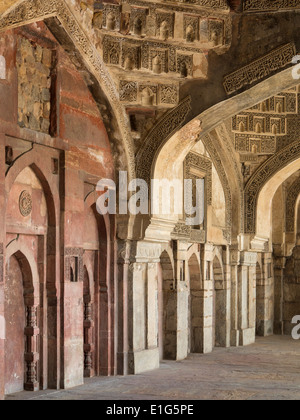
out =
column 219, row 303
column 262, row 187
column 178, row 130
column 167, row 308
column 179, row 124
column 41, row 169
column 67, row 30
column 23, row 315
column 196, row 305
column 100, row 265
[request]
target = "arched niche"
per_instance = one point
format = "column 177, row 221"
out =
column 265, row 197
column 23, row 315
column 167, row 312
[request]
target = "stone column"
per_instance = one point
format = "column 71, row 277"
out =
column 122, row 313
column 89, row 349
column 72, row 358
column 208, row 296
column 265, row 298
column 246, row 306
column 227, row 296
column 143, row 308
column 181, row 267
column 2, row 249
column 279, row 266
column 2, row 322
column 31, row 350
column 234, row 263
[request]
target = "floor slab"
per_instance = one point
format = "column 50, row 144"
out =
column 268, row 370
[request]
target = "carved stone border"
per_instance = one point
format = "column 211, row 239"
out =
column 34, row 10
column 270, row 5
column 291, row 199
column 264, row 173
column 216, row 5
column 260, row 68
column 74, row 252
column 166, row 126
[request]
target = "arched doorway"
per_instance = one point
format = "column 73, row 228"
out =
column 167, row 309
column 219, row 305
column 98, row 292
column 196, row 306
column 22, row 314
column 31, row 230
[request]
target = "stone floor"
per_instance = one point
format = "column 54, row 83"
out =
column 269, row 369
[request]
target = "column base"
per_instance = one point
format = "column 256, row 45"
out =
column 247, row 337
column 143, row 361
column 278, row 327
column 265, row 328
column 89, row 373
column 32, row 387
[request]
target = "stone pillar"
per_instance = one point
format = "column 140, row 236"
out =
column 234, row 317
column 246, row 280
column 2, row 249
column 89, row 348
column 72, row 288
column 143, row 308
column 227, row 297
column 31, row 350
column 279, row 266
column 207, row 275
column 182, row 328
column 265, row 298
column 122, row 324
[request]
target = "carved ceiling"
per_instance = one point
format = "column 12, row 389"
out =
column 266, row 128
column 152, row 48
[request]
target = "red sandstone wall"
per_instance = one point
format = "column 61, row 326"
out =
column 85, row 156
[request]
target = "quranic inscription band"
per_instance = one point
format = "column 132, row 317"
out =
column 259, row 69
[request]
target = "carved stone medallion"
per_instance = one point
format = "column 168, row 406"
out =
column 25, row 203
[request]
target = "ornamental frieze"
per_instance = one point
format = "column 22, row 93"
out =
column 259, row 69
column 270, row 5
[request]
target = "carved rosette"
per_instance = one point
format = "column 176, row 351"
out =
column 25, row 203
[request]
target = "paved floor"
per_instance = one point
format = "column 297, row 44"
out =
column 269, row 369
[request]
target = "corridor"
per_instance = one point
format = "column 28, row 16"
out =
column 267, row 370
